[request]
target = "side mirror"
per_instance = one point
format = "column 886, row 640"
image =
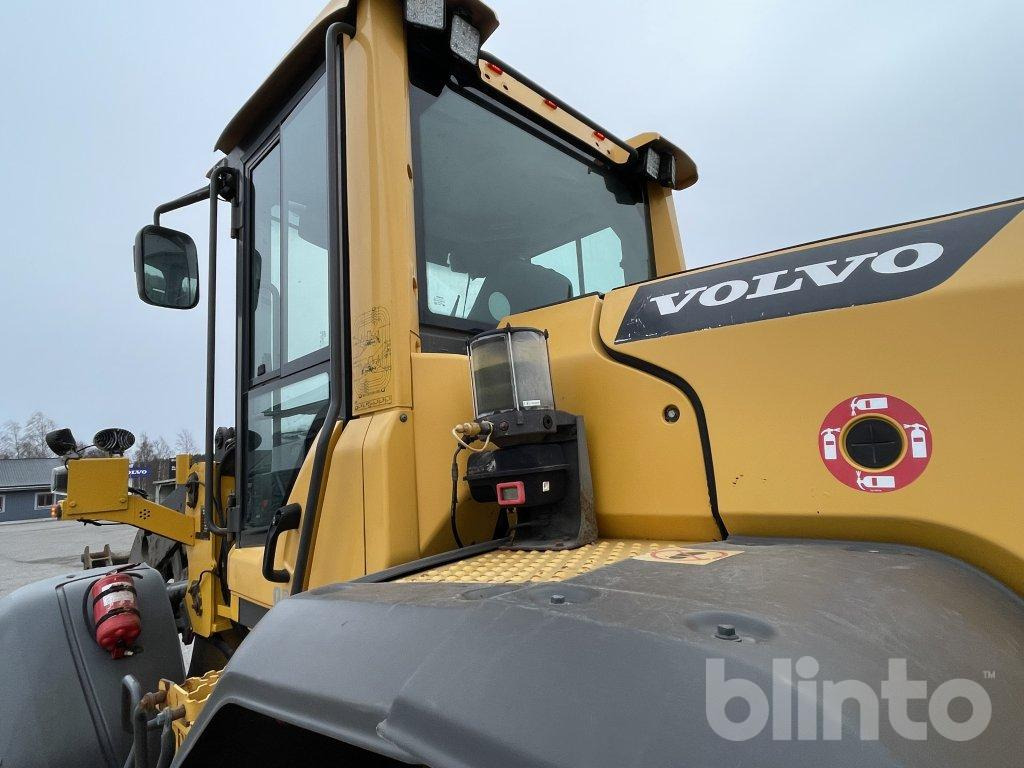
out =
column 166, row 268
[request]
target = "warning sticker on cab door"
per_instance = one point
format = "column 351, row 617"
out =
column 686, row 555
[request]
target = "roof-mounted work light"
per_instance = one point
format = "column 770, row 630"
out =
column 652, row 163
column 667, row 177
column 427, row 14
column 660, row 167
column 464, row 40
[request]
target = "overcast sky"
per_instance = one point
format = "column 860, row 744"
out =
column 806, row 119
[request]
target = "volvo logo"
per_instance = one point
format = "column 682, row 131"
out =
column 871, row 268
column 820, row 274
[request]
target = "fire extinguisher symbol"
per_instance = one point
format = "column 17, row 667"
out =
column 860, row 404
column 828, row 443
column 875, row 482
column 874, row 420
column 918, row 441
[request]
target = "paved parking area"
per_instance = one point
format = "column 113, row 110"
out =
column 40, row 549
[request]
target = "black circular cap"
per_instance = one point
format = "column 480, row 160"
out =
column 874, row 443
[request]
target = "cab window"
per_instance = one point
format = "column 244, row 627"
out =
column 288, row 263
column 283, row 423
column 510, row 217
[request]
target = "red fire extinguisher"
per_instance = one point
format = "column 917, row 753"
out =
column 115, row 614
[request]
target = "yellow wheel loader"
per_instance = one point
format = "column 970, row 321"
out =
column 508, row 485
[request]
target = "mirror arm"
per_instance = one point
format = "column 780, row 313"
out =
column 223, row 185
column 198, row 196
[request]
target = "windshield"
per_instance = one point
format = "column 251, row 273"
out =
column 509, row 217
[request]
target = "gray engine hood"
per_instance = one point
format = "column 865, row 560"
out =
column 459, row 675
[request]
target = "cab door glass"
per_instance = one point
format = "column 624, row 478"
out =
column 283, row 424
column 305, row 195
column 265, row 299
column 285, row 394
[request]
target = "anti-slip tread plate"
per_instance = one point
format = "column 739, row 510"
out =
column 519, row 567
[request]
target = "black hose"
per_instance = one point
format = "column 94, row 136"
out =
column 140, row 737
column 176, row 592
column 131, row 695
column 455, row 497
column 166, row 745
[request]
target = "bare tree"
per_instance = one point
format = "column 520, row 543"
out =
column 185, row 443
column 145, row 450
column 162, row 449
column 34, row 438
column 28, row 441
column 149, row 461
column 10, row 439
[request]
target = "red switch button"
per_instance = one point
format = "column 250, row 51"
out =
column 511, row 494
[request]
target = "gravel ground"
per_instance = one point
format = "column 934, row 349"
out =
column 39, row 549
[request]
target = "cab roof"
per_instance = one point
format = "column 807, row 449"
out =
column 307, row 52
column 304, row 56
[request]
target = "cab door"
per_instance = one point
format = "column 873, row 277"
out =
column 283, row 380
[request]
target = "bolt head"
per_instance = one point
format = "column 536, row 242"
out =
column 671, row 414
column 558, row 599
column 726, row 632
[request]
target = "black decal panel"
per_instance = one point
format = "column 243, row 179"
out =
column 869, row 269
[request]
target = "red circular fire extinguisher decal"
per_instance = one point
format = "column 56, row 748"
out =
column 877, row 427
